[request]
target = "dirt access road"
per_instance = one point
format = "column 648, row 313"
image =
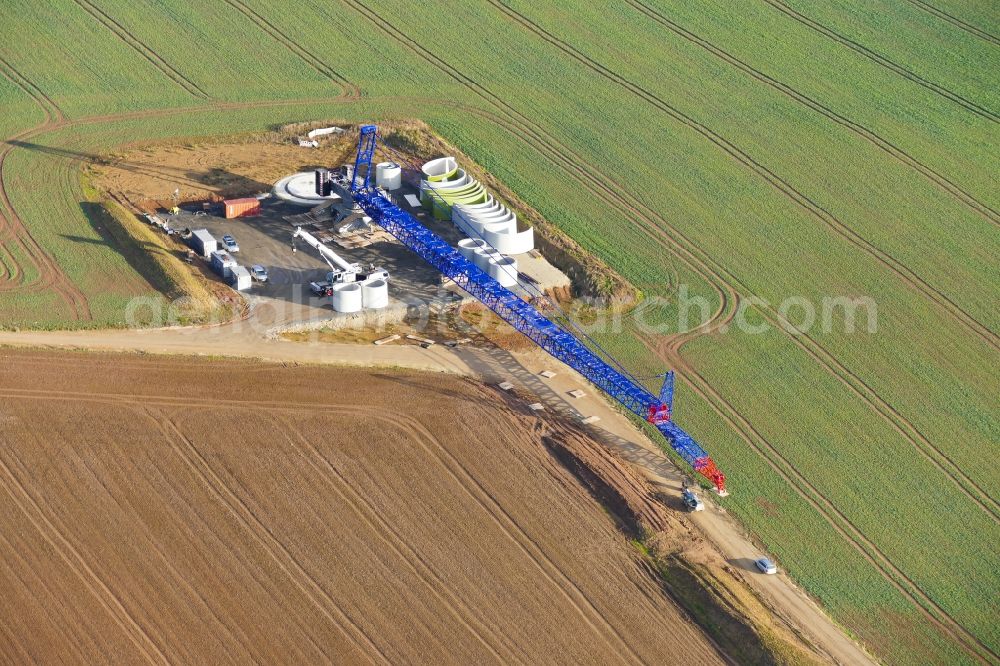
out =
column 521, row 369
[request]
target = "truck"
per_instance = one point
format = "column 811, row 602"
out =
column 321, row 288
column 340, row 270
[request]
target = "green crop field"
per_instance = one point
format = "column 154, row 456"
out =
column 748, row 152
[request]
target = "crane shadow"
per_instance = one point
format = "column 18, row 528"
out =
column 494, row 365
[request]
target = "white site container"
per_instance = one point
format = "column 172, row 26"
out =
column 347, row 297
column 222, row 263
column 203, row 242
column 375, row 294
column 240, row 278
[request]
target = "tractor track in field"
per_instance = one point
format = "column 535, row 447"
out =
column 139, row 47
column 595, row 179
column 13, row 273
column 954, row 20
column 415, row 561
column 669, row 237
column 157, row 548
column 904, row 273
column 54, row 534
column 887, row 146
column 152, row 404
column 798, row 482
column 576, row 597
column 350, row 90
column 883, row 61
column 50, row 275
column 668, row 350
column 20, row 559
column 279, row 552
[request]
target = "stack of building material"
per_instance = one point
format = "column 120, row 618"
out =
column 449, row 193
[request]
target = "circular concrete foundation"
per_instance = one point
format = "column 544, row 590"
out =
column 300, row 188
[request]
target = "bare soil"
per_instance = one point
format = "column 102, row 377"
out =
column 199, row 510
column 148, row 175
column 469, row 324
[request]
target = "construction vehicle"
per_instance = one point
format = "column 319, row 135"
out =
column 564, row 341
column 340, row 269
column 691, row 500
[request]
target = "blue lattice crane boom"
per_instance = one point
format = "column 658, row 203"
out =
column 523, row 316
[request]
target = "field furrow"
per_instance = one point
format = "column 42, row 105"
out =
column 906, row 275
column 954, row 20
column 282, row 557
column 403, row 533
column 348, row 89
column 860, row 130
column 397, row 544
column 836, row 518
column 965, row 103
column 154, row 59
column 55, row 535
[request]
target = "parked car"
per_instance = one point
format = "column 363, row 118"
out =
column 766, row 566
column 692, row 501
column 230, row 243
column 258, row 272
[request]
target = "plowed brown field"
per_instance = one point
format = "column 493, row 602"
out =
column 156, row 509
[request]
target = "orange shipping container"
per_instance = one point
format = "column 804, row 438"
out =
column 241, row 207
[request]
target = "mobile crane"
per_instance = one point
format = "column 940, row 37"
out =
column 340, row 269
column 608, row 375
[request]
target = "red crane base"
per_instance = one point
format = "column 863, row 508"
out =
column 706, row 467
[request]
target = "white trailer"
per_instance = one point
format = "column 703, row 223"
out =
column 240, row 279
column 203, row 242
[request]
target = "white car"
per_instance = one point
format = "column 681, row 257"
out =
column 692, row 501
column 766, row 566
